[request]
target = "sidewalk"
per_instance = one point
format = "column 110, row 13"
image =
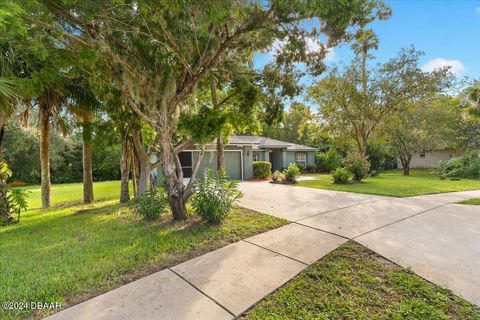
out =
column 221, row 284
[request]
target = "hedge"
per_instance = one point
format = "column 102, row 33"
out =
column 262, row 169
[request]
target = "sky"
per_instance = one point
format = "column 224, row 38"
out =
column 448, row 32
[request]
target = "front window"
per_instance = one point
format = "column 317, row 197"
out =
column 255, row 156
column 301, row 158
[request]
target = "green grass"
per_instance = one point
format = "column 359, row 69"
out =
column 393, row 183
column 474, row 201
column 72, row 253
column 72, row 193
column 353, row 282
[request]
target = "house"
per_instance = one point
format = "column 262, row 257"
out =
column 430, row 159
column 241, row 151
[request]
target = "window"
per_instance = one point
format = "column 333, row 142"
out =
column 186, row 162
column 255, row 156
column 301, row 158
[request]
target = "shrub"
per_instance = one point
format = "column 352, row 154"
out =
column 341, row 175
column 376, row 155
column 328, row 161
column 151, row 205
column 311, row 168
column 262, row 169
column 278, row 176
column 17, row 183
column 214, row 196
column 467, row 166
column 357, row 165
column 300, row 166
column 292, row 173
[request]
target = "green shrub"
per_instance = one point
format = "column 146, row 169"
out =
column 292, row 173
column 262, row 169
column 341, row 175
column 300, row 167
column 151, row 205
column 311, row 168
column 376, row 155
column 467, row 166
column 328, row 161
column 214, row 196
column 278, row 176
column 357, row 165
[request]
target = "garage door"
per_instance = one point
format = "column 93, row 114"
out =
column 233, row 164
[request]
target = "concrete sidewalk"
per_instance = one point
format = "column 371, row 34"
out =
column 218, row 285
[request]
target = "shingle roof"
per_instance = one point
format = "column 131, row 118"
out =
column 264, row 143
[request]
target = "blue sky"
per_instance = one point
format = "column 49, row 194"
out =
column 447, row 31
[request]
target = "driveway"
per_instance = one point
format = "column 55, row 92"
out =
column 437, row 239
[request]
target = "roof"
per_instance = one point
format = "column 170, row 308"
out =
column 267, row 143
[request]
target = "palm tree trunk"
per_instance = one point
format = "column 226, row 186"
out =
column 87, row 158
column 220, row 152
column 44, row 121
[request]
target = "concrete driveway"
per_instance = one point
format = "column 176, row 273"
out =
column 438, row 240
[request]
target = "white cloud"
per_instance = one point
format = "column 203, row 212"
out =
column 456, row 66
column 313, row 45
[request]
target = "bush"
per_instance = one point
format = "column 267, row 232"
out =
column 341, row 175
column 311, row 168
column 376, row 155
column 214, row 196
column 357, row 165
column 292, row 173
column 328, row 161
column 151, row 205
column 300, row 167
column 278, row 177
column 262, row 169
column 467, row 166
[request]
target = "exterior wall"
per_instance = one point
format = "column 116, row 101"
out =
column 431, row 158
column 247, row 162
column 310, row 158
column 261, row 155
column 278, row 159
column 291, row 157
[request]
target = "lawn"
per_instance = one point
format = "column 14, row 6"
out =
column 474, row 201
column 71, row 253
column 353, row 282
column 72, row 193
column 393, row 183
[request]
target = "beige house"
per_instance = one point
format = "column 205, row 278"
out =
column 430, row 159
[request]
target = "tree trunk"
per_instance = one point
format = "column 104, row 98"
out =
column 405, row 160
column 144, row 177
column 142, row 163
column 87, row 159
column 172, row 173
column 406, row 170
column 124, row 170
column 5, row 216
column 220, row 146
column 44, row 122
column 220, row 152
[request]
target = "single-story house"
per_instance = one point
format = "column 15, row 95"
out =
column 242, row 150
column 430, row 159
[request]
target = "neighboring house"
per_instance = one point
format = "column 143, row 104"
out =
column 241, row 151
column 430, row 159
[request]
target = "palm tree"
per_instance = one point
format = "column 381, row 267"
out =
column 7, row 103
column 50, row 105
column 82, row 103
column 472, row 97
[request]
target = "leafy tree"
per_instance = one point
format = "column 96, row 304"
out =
column 420, row 126
column 357, row 99
column 158, row 53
